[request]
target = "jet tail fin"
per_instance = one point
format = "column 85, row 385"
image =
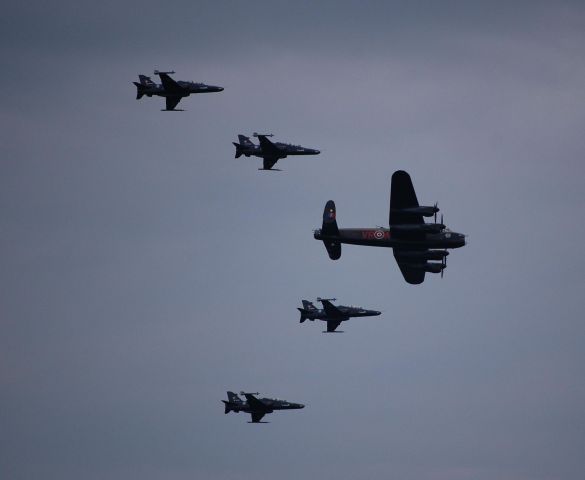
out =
column 245, row 140
column 233, row 397
column 331, row 229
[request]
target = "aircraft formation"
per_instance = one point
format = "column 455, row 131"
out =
column 418, row 247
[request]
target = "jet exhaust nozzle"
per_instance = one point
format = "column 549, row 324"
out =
column 238, row 150
column 139, row 90
column 227, row 406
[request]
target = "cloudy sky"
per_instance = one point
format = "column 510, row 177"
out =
column 145, row 271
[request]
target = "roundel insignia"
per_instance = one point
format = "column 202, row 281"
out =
column 379, row 234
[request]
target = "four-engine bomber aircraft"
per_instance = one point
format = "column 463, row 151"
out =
column 332, row 314
column 172, row 90
column 257, row 407
column 270, row 152
column 412, row 239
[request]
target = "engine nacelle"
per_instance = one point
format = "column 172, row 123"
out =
column 418, row 228
column 424, row 255
column 425, row 211
column 430, row 267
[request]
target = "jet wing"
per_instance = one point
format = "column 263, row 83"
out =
column 331, row 310
column 255, row 404
column 172, row 102
column 411, row 274
column 170, row 85
column 332, row 325
column 269, row 162
column 268, row 148
column 257, row 416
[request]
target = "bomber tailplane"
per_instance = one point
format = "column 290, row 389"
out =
column 330, row 229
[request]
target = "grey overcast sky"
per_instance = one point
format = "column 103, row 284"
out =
column 145, row 271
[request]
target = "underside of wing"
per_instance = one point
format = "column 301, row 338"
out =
column 172, row 102
column 411, row 273
column 331, row 310
column 255, row 404
column 402, row 196
column 170, row 85
column 257, row 416
column 332, row 325
column 269, row 162
column 268, row 148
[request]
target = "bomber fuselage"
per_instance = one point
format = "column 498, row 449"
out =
column 382, row 237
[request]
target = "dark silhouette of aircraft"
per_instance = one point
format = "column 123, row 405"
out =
column 412, row 239
column 332, row 314
column 172, row 90
column 270, row 152
column 257, row 407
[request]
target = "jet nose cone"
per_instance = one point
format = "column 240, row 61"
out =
column 317, row 152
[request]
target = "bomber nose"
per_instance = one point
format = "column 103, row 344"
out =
column 317, row 152
column 220, row 89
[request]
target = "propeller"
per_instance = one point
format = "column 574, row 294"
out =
column 436, row 210
column 443, row 264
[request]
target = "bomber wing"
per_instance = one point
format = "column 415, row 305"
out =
column 412, row 275
column 402, row 196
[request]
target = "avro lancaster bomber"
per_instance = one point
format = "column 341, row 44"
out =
column 415, row 242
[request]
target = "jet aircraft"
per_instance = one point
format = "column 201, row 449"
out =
column 257, row 407
column 414, row 241
column 332, row 314
column 172, row 90
column 270, row 152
